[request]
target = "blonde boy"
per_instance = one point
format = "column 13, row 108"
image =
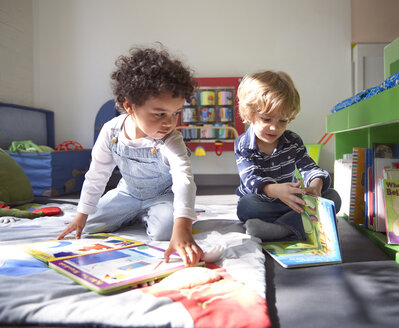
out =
column 266, row 155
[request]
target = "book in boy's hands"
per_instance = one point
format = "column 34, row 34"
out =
column 321, row 246
column 391, row 202
column 106, row 263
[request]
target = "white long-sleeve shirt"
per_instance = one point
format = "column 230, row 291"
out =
column 174, row 154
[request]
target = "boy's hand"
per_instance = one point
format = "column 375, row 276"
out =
column 288, row 193
column 78, row 223
column 183, row 242
column 315, row 187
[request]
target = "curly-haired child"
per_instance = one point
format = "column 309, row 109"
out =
column 157, row 184
column 266, row 156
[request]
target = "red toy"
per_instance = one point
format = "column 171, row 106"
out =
column 69, row 145
column 218, row 147
column 48, row 211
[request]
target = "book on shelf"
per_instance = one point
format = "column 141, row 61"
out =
column 105, row 263
column 368, row 190
column 356, row 207
column 321, row 246
column 380, row 165
column 385, row 155
column 391, row 202
column 342, row 182
column 391, row 173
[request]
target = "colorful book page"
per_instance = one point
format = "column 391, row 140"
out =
column 321, row 246
column 108, row 271
column 66, row 248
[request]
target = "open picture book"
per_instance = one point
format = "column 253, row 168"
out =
column 105, row 263
column 321, row 246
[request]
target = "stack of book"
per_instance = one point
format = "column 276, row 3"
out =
column 375, row 177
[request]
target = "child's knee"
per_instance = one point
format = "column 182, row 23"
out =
column 159, row 233
column 160, row 221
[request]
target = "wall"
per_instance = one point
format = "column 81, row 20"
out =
column 374, row 21
column 77, row 41
column 16, row 52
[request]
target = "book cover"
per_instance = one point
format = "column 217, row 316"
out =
column 380, row 165
column 385, row 155
column 321, row 246
column 391, row 201
column 356, row 209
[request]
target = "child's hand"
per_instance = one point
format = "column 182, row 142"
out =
column 288, row 193
column 183, row 242
column 315, row 187
column 77, row 224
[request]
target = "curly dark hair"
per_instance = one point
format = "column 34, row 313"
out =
column 149, row 72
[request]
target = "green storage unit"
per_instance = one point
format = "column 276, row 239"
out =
column 375, row 119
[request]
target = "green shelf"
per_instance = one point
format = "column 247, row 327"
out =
column 380, row 239
column 375, row 119
column 377, row 110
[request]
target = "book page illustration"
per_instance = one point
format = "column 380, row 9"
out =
column 321, row 245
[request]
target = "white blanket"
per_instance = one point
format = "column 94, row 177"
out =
column 32, row 294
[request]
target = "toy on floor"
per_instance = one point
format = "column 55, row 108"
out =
column 48, row 211
column 28, row 146
column 69, row 145
column 7, row 211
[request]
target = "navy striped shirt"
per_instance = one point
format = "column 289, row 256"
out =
column 257, row 168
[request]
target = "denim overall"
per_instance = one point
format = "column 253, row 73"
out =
column 144, row 191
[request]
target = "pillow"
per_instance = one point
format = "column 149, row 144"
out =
column 15, row 187
column 189, row 277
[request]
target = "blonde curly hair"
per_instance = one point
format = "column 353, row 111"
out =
column 267, row 92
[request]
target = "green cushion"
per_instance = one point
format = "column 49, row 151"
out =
column 15, row 187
